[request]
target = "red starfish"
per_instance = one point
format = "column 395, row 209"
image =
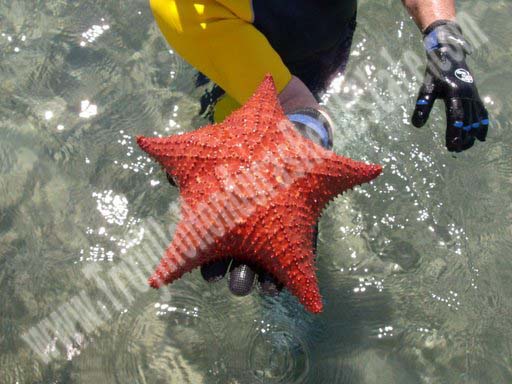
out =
column 252, row 188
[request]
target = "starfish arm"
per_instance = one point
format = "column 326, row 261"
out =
column 189, row 249
column 330, row 177
column 174, row 150
column 280, row 238
column 287, row 255
column 263, row 102
column 300, row 279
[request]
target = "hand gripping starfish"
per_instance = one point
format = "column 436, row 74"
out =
column 252, row 188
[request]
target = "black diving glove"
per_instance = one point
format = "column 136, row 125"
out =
column 448, row 77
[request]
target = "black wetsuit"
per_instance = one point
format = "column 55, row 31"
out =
column 313, row 37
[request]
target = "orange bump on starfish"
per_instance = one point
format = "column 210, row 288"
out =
column 252, row 188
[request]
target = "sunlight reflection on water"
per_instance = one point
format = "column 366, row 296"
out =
column 414, row 268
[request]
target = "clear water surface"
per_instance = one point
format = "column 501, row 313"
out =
column 414, row 268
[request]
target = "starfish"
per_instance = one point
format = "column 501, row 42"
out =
column 252, row 188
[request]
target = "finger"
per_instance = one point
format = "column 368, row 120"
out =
column 268, row 285
column 424, row 104
column 484, row 123
column 474, row 122
column 468, row 130
column 215, row 271
column 170, row 179
column 315, row 238
column 241, row 279
column 454, row 124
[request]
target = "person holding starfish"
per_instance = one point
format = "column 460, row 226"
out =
column 303, row 44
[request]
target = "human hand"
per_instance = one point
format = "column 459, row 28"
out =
column 448, row 77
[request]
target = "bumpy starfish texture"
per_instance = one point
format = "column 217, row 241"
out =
column 252, row 188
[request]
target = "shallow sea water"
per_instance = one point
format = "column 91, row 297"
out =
column 414, row 268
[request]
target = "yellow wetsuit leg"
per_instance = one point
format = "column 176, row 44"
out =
column 218, row 38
